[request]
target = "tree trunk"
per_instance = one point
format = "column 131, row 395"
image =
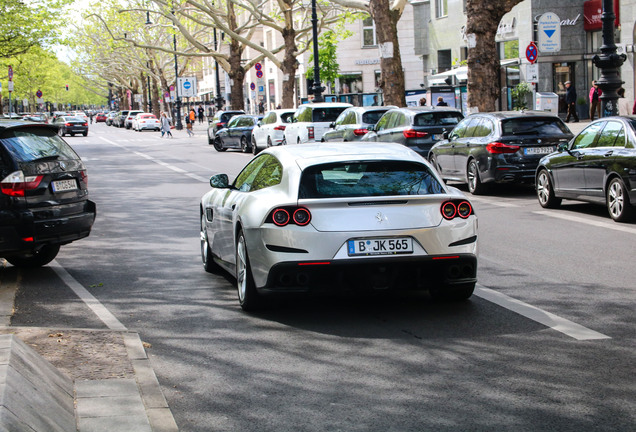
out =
column 483, row 59
column 392, row 79
column 237, row 76
column 289, row 65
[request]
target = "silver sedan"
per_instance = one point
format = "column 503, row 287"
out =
column 339, row 217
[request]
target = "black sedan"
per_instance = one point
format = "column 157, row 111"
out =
column 354, row 123
column 237, row 134
column 71, row 125
column 498, row 147
column 415, row 127
column 597, row 166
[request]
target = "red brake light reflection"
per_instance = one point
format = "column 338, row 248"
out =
column 501, row 148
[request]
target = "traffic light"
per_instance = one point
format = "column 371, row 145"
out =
column 66, row 87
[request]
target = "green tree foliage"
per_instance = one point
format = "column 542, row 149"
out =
column 327, row 56
column 24, row 25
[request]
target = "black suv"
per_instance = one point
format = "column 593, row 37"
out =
column 219, row 121
column 498, row 147
column 43, row 195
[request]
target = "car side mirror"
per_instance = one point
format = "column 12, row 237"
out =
column 219, row 181
column 446, row 134
column 562, row 147
column 258, row 123
column 371, row 128
column 332, row 125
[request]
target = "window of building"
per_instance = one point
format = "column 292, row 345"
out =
column 444, row 61
column 351, row 83
column 368, row 32
column 441, row 8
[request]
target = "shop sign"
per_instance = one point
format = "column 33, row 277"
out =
column 593, row 12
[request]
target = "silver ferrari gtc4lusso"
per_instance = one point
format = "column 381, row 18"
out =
column 339, row 217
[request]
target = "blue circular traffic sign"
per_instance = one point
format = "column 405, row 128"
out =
column 252, row 86
column 259, row 74
column 187, row 85
column 258, row 66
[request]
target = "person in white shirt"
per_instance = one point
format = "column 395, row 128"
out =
column 624, row 107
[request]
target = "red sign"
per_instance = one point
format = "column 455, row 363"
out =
column 10, row 73
column 532, row 53
column 39, row 93
column 593, row 12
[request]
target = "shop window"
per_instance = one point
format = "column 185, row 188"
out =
column 351, row 83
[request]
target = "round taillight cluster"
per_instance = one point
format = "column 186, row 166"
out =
column 285, row 215
column 455, row 208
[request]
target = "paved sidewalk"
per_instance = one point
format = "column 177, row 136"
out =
column 110, row 405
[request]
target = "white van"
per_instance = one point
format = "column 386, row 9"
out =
column 311, row 121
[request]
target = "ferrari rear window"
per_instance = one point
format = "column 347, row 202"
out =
column 372, row 179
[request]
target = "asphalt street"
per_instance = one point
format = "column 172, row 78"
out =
column 547, row 342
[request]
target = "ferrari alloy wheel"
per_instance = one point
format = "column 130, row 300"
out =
column 248, row 297
column 206, row 254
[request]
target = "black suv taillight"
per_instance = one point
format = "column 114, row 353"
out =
column 15, row 184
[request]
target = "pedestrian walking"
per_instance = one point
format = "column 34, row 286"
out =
column 201, row 112
column 595, row 100
column 624, row 107
column 570, row 100
column 440, row 102
column 165, row 125
column 190, row 118
column 423, row 101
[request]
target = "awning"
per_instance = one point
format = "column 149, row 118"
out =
column 460, row 73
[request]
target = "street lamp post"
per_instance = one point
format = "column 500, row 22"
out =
column 609, row 62
column 314, row 24
column 218, row 99
column 149, row 92
column 178, row 124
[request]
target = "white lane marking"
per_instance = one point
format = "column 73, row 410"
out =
column 495, row 203
column 99, row 309
column 548, row 319
column 160, row 162
column 599, row 224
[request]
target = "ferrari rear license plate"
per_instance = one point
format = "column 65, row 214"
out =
column 64, row 185
column 380, row 246
column 538, row 150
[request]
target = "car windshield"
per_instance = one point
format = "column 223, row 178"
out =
column 437, row 119
column 372, row 117
column 372, row 179
column 326, row 114
column 533, row 126
column 26, row 144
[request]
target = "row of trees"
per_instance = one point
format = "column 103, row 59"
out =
column 120, row 44
column 28, row 33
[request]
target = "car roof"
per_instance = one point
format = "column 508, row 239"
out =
column 326, row 105
column 426, row 109
column 516, row 114
column 6, row 124
column 305, row 155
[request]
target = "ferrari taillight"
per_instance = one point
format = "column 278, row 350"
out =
column 455, row 208
column 285, row 215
